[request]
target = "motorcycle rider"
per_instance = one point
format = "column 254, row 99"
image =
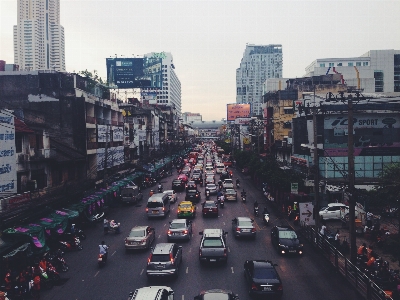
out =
column 104, row 250
column 237, row 182
column 265, row 211
column 115, row 226
column 255, row 206
column 160, row 187
column 106, row 225
column 243, row 194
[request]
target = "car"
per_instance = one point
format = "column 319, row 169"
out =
column 186, row 209
column 212, row 188
column 140, row 237
column 285, row 240
column 179, row 229
column 193, row 195
column 209, row 173
column 262, row 279
column 183, row 177
column 152, row 293
column 173, row 196
column 191, row 185
column 243, row 227
column 334, row 211
column 227, row 184
column 210, row 208
column 178, row 185
column 197, row 179
column 217, row 294
column 165, row 260
column 186, row 172
column 224, row 175
column 210, row 179
column 213, row 248
column 230, row 195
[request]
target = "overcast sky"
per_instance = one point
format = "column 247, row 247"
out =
column 207, row 38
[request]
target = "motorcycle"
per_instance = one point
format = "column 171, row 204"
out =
column 114, row 227
column 244, row 199
column 256, row 209
column 70, row 242
column 238, row 185
column 79, row 233
column 266, row 218
column 221, row 201
column 160, row 188
column 58, row 261
column 207, row 195
column 102, row 259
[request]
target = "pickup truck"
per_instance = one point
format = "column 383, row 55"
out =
column 213, row 246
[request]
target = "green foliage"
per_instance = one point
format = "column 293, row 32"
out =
column 94, row 76
column 389, row 189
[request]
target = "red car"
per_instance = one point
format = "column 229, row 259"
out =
column 210, row 208
column 183, row 177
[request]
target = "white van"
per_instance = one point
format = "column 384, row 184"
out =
column 158, row 205
column 220, row 168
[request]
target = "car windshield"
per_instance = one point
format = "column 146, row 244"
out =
column 245, row 223
column 177, row 225
column 211, row 186
column 137, row 233
column 209, row 204
column 230, row 191
column 265, row 273
column 216, row 296
column 154, row 204
column 228, row 181
column 212, row 242
column 287, row 234
column 160, row 257
column 186, row 205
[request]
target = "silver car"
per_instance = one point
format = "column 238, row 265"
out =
column 140, row 237
column 179, row 229
column 173, row 197
column 243, row 227
column 230, row 195
column 212, row 188
column 227, row 184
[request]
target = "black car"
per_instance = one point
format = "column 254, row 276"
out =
column 224, row 175
column 193, row 195
column 197, row 179
column 191, row 185
column 262, row 278
column 216, row 294
column 178, row 185
column 285, row 239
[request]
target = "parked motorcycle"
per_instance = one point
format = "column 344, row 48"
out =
column 69, row 242
column 78, row 232
column 57, row 260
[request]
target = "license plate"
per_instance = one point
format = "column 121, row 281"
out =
column 292, row 251
column 267, row 288
column 210, row 209
column 246, row 230
column 213, row 259
column 155, row 211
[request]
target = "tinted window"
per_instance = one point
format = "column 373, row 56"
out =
column 159, row 257
column 154, row 204
column 177, row 225
column 137, row 233
column 212, row 242
column 287, row 235
column 245, row 223
column 209, row 204
column 185, row 205
column 215, row 296
column 265, row 273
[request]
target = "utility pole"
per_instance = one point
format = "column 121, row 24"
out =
column 316, row 165
column 352, row 202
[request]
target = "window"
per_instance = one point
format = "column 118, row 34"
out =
column 350, row 64
column 339, row 64
column 358, row 63
column 322, row 65
column 365, row 63
column 331, row 64
column 378, row 76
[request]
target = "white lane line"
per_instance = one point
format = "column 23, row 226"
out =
column 190, row 250
column 183, row 297
column 141, row 272
column 232, row 270
column 187, row 270
column 97, row 273
column 229, row 249
column 114, row 253
column 223, row 223
column 159, row 235
column 165, row 224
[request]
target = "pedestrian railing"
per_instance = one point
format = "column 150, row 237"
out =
column 364, row 285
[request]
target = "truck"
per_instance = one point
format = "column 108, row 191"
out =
column 131, row 194
column 213, row 247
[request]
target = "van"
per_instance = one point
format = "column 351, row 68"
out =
column 158, row 205
column 152, row 293
column 220, row 168
column 131, row 194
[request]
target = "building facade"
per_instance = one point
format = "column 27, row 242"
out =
column 38, row 37
column 258, row 63
column 377, row 71
column 188, row 117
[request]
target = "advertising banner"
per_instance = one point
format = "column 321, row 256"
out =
column 126, row 73
column 242, row 121
column 100, row 154
column 141, row 134
column 149, row 96
column 118, row 133
column 8, row 172
column 237, row 111
column 103, row 133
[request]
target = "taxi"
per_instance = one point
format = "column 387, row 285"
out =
column 186, row 209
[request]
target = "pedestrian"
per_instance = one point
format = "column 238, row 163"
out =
column 151, row 193
column 323, row 229
column 105, row 225
column 337, row 238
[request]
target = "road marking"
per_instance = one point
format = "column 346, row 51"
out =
column 190, row 250
column 165, row 224
column 229, row 249
column 159, row 235
column 141, row 272
column 183, row 297
column 114, row 253
column 96, row 273
column 232, row 270
column 223, row 223
column 187, row 270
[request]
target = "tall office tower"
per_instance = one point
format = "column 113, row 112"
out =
column 259, row 62
column 169, row 89
column 39, row 37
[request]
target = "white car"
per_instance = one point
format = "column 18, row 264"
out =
column 334, row 211
column 228, row 184
column 172, row 195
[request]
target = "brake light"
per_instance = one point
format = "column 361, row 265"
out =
column 163, row 208
column 280, row 287
column 237, row 229
column 253, row 230
column 225, row 252
column 191, row 210
column 200, row 253
column 171, row 258
column 147, row 209
column 169, row 232
column 185, row 231
column 126, row 240
column 149, row 259
column 254, row 287
column 179, row 210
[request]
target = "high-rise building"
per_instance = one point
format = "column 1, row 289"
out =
column 169, row 91
column 38, row 37
column 259, row 62
column 377, row 71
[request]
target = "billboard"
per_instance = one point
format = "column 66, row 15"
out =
column 8, row 171
column 150, row 96
column 373, row 134
column 126, row 73
column 234, row 111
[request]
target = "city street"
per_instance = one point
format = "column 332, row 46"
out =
column 308, row 277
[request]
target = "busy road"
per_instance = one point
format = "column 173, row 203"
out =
column 306, row 277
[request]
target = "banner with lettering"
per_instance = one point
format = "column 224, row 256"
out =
column 8, row 172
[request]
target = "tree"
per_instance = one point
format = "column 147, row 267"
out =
column 94, row 76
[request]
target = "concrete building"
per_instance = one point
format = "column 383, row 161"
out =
column 377, row 71
column 258, row 63
column 188, row 117
column 169, row 91
column 38, row 37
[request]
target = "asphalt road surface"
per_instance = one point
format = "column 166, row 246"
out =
column 308, row 277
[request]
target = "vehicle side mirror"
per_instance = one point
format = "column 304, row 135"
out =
column 201, row 233
column 180, row 247
column 197, row 298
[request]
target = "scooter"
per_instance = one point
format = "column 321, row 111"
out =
column 256, row 209
column 102, row 259
column 74, row 244
column 116, row 228
column 266, row 218
column 207, row 195
column 244, row 199
column 160, row 188
column 79, row 233
column 221, row 201
column 238, row 185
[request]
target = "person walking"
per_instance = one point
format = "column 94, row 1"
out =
column 323, row 229
column 337, row 238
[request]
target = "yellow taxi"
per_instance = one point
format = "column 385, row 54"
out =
column 186, row 209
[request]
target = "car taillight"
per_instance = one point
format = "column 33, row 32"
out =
column 200, row 253
column 280, row 287
column 169, row 232
column 185, row 231
column 149, row 259
column 126, row 240
column 171, row 258
column 163, row 208
column 254, row 287
column 225, row 252
column 237, row 229
column 253, row 230
column 191, row 210
column 179, row 210
column 147, row 209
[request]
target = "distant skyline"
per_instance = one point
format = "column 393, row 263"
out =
column 207, row 38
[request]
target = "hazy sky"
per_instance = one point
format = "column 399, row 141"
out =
column 207, row 38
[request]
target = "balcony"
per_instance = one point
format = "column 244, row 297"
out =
column 100, row 121
column 92, row 145
column 91, row 120
column 115, row 123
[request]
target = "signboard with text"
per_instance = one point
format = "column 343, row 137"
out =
column 8, row 171
column 234, row 111
column 306, row 213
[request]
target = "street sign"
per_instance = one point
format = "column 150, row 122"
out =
column 306, row 213
column 246, row 140
column 294, row 188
